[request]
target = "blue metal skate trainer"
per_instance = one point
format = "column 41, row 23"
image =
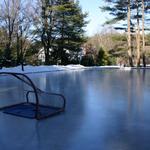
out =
column 33, row 109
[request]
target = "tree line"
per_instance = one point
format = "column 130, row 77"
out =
column 56, row 26
column 132, row 17
column 109, row 47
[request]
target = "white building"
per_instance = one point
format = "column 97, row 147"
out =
column 41, row 55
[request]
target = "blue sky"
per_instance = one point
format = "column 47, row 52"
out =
column 96, row 17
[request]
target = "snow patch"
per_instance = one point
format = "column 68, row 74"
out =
column 52, row 68
column 36, row 69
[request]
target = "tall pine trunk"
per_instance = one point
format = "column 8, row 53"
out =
column 46, row 56
column 138, row 36
column 129, row 36
column 62, row 53
column 45, row 38
column 143, row 34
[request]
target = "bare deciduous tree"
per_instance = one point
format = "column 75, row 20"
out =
column 8, row 15
column 16, row 23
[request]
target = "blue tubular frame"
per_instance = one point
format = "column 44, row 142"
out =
column 35, row 91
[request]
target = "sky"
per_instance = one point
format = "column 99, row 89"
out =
column 95, row 16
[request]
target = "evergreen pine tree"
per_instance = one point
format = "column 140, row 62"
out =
column 135, row 11
column 60, row 27
column 121, row 10
column 69, row 28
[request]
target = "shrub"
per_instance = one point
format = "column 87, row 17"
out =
column 103, row 58
column 87, row 60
